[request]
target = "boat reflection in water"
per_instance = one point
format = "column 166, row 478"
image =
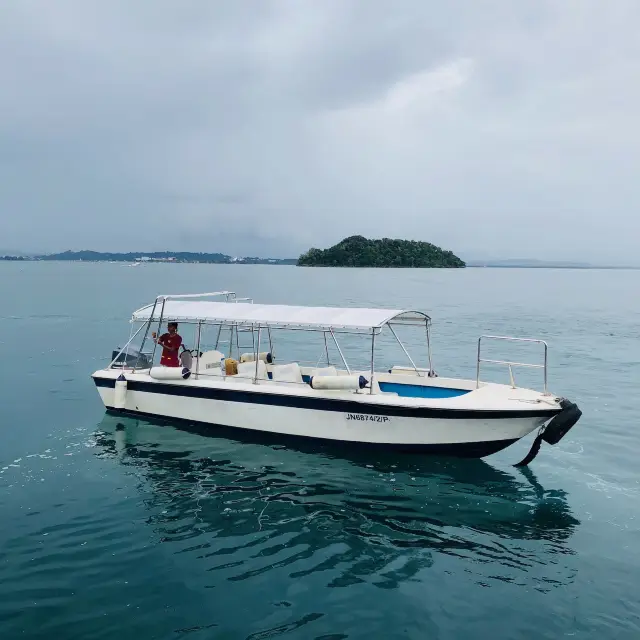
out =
column 258, row 507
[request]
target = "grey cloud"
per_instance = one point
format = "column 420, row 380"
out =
column 492, row 128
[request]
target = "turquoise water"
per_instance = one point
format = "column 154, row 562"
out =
column 125, row 528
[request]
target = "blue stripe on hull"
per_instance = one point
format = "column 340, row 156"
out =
column 457, row 450
column 323, row 404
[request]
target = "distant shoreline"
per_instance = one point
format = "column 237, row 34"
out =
column 218, row 258
column 292, row 263
column 154, row 257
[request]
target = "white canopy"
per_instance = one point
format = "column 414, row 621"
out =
column 277, row 315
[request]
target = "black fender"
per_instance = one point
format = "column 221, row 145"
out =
column 560, row 424
column 555, row 430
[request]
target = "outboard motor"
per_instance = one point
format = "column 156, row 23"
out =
column 129, row 359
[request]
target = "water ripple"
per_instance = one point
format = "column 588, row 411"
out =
column 382, row 524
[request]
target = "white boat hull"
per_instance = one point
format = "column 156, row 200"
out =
column 358, row 419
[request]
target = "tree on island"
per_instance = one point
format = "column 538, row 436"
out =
column 357, row 251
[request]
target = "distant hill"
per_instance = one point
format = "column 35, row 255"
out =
column 357, row 251
column 160, row 256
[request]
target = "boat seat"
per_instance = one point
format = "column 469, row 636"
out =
column 286, row 373
column 210, row 360
column 247, row 370
column 266, row 356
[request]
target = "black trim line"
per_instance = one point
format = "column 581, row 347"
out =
column 323, row 404
column 458, row 450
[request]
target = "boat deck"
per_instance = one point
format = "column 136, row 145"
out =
column 395, row 389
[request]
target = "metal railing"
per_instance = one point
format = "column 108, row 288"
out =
column 510, row 363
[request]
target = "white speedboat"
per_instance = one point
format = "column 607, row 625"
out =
column 407, row 408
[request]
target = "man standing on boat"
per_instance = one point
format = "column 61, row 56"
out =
column 170, row 343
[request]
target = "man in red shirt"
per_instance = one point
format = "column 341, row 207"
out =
column 170, row 343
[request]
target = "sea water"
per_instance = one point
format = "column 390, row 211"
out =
column 128, row 528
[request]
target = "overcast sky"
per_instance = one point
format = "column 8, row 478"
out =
column 490, row 127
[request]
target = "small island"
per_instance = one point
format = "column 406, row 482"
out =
column 357, row 251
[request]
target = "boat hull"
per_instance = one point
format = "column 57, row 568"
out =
column 464, row 433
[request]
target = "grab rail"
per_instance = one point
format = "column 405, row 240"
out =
column 510, row 363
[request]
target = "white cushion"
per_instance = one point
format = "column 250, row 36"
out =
column 248, row 370
column 210, row 360
column 286, row 373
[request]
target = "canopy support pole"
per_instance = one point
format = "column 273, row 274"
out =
column 373, row 347
column 155, row 343
column 255, row 379
column 406, row 353
column 146, row 333
column 340, row 352
column 431, row 371
column 198, row 348
column 231, row 341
